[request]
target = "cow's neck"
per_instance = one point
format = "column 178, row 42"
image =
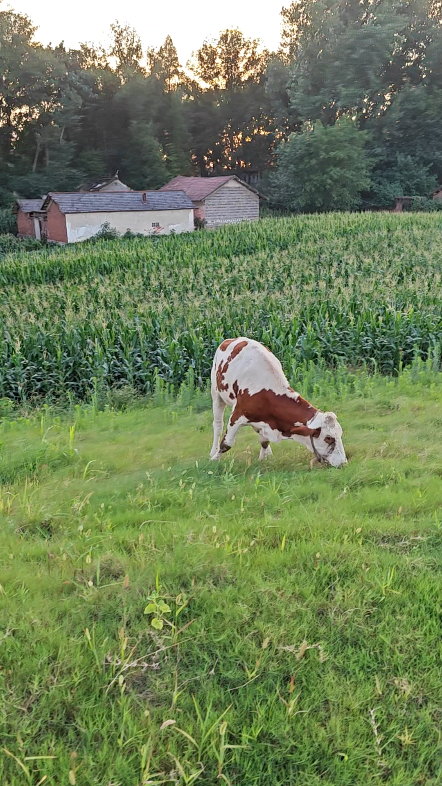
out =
column 302, row 410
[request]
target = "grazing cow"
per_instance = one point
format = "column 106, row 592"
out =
column 249, row 378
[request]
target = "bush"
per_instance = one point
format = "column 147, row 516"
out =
column 425, row 205
column 8, row 223
column 106, row 232
column 199, row 223
column 405, row 176
column 12, row 243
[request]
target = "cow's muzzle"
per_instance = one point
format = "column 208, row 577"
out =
column 324, row 459
column 320, row 459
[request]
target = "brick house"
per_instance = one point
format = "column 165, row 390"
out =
column 76, row 216
column 30, row 218
column 219, row 200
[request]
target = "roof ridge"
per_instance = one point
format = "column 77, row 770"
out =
column 119, row 201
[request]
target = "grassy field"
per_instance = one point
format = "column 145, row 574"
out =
column 167, row 620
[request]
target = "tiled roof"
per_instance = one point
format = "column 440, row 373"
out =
column 119, row 201
column 30, row 205
column 198, row 188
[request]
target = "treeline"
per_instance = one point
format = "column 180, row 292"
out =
column 346, row 113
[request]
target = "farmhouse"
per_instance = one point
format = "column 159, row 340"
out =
column 30, row 217
column 71, row 217
column 108, row 184
column 218, row 200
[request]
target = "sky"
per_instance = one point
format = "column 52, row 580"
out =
column 187, row 23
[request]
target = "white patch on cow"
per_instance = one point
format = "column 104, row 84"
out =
column 256, row 367
column 266, row 433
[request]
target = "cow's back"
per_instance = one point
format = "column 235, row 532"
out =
column 244, row 364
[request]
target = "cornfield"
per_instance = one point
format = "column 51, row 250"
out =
column 333, row 289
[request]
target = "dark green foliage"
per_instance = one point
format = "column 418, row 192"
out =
column 403, row 176
column 143, row 165
column 10, row 244
column 322, row 168
column 8, row 223
column 380, row 65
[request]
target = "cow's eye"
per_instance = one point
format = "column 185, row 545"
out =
column 330, row 441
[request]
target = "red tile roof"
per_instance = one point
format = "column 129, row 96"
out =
column 198, row 188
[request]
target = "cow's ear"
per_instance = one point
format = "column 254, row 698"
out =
column 305, row 431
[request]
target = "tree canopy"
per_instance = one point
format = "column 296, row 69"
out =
column 345, row 113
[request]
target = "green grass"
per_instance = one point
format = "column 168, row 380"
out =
column 303, row 639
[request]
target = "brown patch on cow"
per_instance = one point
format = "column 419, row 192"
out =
column 222, row 369
column 232, row 396
column 304, row 403
column 236, row 350
column 280, row 412
column 304, row 431
column 220, row 376
column 235, row 388
column 265, row 444
column 226, row 344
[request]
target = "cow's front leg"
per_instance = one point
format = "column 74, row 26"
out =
column 228, row 439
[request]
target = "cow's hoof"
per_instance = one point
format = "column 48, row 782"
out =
column 265, row 453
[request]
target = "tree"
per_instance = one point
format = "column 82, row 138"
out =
column 164, row 64
column 229, row 109
column 355, row 55
column 143, row 166
column 322, row 168
column 411, row 127
column 127, row 49
column 28, row 77
column 229, row 62
column 175, row 136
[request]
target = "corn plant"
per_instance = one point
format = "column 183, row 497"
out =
column 143, row 314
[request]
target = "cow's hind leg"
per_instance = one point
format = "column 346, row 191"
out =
column 228, row 439
column 218, row 413
column 266, row 450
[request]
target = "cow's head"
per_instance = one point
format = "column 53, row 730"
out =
column 324, row 438
column 327, row 439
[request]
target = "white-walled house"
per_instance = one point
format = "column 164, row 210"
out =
column 76, row 216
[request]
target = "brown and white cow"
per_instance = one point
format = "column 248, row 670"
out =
column 249, row 378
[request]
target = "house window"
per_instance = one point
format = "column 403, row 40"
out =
column 155, row 223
